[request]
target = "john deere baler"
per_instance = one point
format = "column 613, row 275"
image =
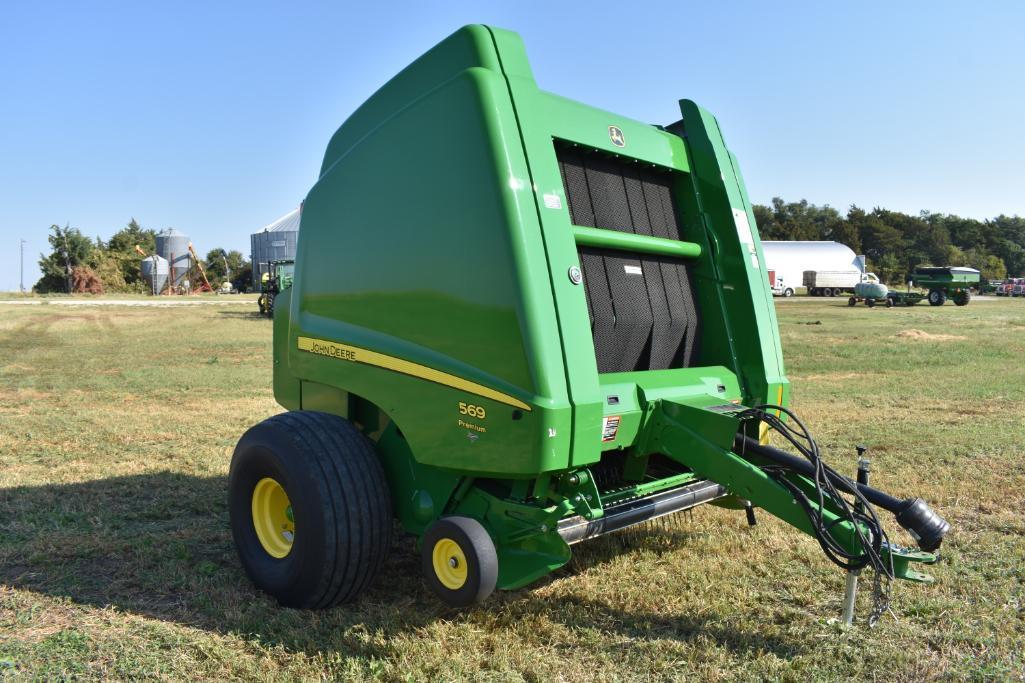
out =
column 518, row 322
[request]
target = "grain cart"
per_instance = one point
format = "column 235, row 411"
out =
column 946, row 283
column 519, row 322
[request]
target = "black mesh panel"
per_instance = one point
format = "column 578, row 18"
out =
column 642, row 309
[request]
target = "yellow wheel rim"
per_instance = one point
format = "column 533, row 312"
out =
column 272, row 518
column 449, row 563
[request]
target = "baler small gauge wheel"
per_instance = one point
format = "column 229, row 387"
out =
column 937, row 297
column 459, row 561
column 290, row 482
column 852, row 301
column 870, row 303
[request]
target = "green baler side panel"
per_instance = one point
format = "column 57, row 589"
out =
column 734, row 275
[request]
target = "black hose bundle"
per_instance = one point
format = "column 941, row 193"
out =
column 828, row 484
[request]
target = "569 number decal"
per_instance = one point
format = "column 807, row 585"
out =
column 472, row 410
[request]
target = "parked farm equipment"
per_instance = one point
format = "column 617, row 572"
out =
column 277, row 278
column 559, row 330
column 873, row 293
column 941, row 283
column 950, row 282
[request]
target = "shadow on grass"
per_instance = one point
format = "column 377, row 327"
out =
column 254, row 314
column 159, row 545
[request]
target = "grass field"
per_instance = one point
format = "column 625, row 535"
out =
column 117, row 426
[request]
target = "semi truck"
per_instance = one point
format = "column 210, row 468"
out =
column 779, row 285
column 835, row 282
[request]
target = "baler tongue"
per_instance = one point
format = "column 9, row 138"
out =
column 707, row 436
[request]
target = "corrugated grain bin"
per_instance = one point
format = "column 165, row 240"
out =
column 174, row 246
column 155, row 271
column 274, row 242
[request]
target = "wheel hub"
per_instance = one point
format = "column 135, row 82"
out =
column 272, row 518
column 449, row 563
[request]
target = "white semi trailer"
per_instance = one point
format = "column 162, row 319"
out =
column 835, row 282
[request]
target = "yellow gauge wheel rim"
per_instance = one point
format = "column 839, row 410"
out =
column 449, row 563
column 272, row 518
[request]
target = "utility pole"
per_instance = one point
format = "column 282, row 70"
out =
column 21, row 274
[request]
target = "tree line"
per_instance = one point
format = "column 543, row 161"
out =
column 895, row 243
column 77, row 262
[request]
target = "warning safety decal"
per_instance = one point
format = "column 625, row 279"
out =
column 609, row 427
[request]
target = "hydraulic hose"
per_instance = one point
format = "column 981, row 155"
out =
column 912, row 514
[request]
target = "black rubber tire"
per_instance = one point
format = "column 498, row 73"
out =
column 962, row 297
column 870, row 303
column 481, row 560
column 788, row 292
column 836, row 292
column 852, row 301
column 340, row 502
column 889, row 302
column 937, row 297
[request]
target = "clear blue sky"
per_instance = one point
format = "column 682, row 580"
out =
column 212, row 117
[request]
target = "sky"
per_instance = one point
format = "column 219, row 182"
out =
column 212, row 117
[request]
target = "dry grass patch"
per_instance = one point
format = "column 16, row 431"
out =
column 919, row 335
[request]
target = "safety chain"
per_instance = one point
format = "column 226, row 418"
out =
column 880, row 597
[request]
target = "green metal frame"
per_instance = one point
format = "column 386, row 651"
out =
column 434, row 305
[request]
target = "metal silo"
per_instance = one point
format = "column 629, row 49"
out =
column 275, row 242
column 155, row 271
column 174, row 246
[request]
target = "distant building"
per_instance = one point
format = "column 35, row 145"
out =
column 275, row 242
column 789, row 260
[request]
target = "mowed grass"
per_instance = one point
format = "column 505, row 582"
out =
column 117, row 427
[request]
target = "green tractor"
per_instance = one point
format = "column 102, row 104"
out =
column 278, row 277
column 517, row 323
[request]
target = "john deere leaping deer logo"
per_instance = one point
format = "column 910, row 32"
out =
column 617, row 137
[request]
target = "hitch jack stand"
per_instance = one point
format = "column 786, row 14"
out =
column 851, row 589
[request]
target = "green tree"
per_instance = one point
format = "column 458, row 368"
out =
column 120, row 250
column 223, row 265
column 70, row 248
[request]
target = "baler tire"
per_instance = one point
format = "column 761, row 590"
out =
column 463, row 544
column 338, row 497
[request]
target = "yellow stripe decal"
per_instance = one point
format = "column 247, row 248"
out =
column 357, row 355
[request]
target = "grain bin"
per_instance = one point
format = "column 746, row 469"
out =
column 174, row 246
column 154, row 272
column 275, row 242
